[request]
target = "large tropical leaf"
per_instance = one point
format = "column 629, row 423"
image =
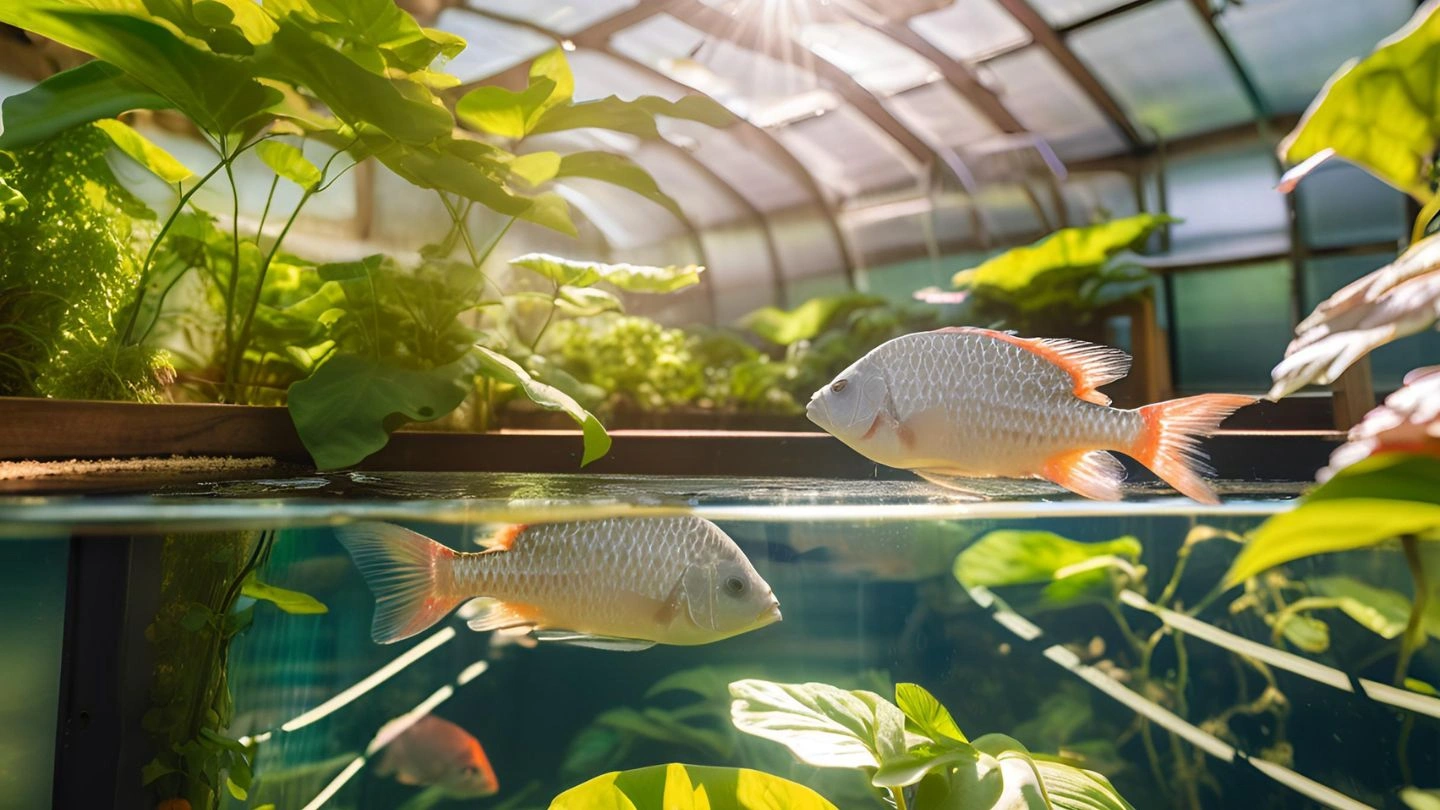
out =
column 821, row 724
column 635, row 117
column 1367, row 503
column 346, row 410
column 925, row 715
column 86, row 93
column 218, row 93
column 804, row 322
column 1070, row 569
column 634, row 278
column 618, row 170
column 142, row 150
column 690, row 787
column 1379, row 112
column 497, row 366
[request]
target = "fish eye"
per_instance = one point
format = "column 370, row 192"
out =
column 734, row 586
column 470, row 770
column 839, row 385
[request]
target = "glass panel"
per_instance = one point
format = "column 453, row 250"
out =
column 1390, row 363
column 898, row 281
column 598, row 75
column 1095, row 196
column 1226, row 197
column 628, row 221
column 493, row 46
column 759, row 175
column 1049, row 103
column 559, row 16
column 1064, row 12
column 849, row 154
column 739, row 270
column 1341, row 204
column 1289, row 49
column 806, row 244
column 706, row 201
column 877, row 62
column 32, row 594
column 969, row 30
column 1232, row 326
column 940, row 116
column 1164, row 68
column 1010, row 213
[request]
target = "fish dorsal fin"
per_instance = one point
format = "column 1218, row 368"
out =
column 503, row 540
column 492, row 614
column 573, row 638
column 1090, row 365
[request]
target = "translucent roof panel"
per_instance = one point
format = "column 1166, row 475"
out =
column 940, row 116
column 1061, row 13
column 849, row 154
column 1092, row 196
column 1289, row 49
column 875, row 61
column 560, row 16
column 969, row 30
column 706, row 201
column 1164, row 68
column 492, row 46
column 1009, row 213
column 628, row 221
column 806, row 243
column 763, row 90
column 879, row 238
column 1228, row 200
column 760, row 175
column 1043, row 97
column 598, row 75
column 740, row 269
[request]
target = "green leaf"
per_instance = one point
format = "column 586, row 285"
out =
column 925, row 715
column 502, row 112
column 458, row 167
column 821, row 724
column 1073, row 569
column 11, row 200
column 290, row 163
column 807, row 320
column 497, row 366
column 1302, row 630
column 217, row 92
column 551, row 210
column 635, row 117
column 912, row 766
column 1069, row 251
column 238, row 792
column 346, row 410
column 293, row 602
column 536, row 167
column 154, row 769
column 552, row 67
column 1417, row 799
column 142, row 150
column 1417, row 685
column 1380, row 610
column 77, row 96
column 628, row 277
column 1379, row 112
column 689, row 787
column 587, row 301
column 1072, row 788
column 617, row 170
column 1367, row 503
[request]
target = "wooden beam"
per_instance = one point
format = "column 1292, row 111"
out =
column 1047, row 38
column 1123, row 8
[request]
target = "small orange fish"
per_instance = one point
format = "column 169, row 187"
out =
column 436, row 752
column 617, row 584
column 975, row 403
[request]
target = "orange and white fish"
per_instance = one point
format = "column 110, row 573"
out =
column 437, row 753
column 617, row 583
column 975, row 403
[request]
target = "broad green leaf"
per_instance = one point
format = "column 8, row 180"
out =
column 1379, row 610
column 142, row 150
column 287, row 600
column 497, row 366
column 1367, row 503
column 635, row 117
column 617, row 170
column 377, row 26
column 1302, row 630
column 290, row 163
column 631, row 278
column 807, row 320
column 925, row 715
column 154, row 769
column 1080, row 250
column 1379, row 112
column 1072, row 788
column 661, row 787
column 217, row 92
column 586, row 301
column 503, row 112
column 11, row 200
column 551, row 210
column 1417, row 799
column 536, row 167
column 346, row 410
column 912, row 766
column 458, row 167
column 552, row 67
column 821, row 724
column 1011, row 557
column 82, row 94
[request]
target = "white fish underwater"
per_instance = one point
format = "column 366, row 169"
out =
column 965, row 402
column 617, row 583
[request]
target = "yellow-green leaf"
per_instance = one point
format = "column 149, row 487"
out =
column 689, row 787
column 553, row 67
column 1073, row 250
column 926, row 715
column 504, row 112
column 1379, row 112
column 617, row 170
column 290, row 163
column 287, row 600
column 807, row 320
column 551, row 210
column 1015, row 557
column 632, row 278
column 1380, row 610
column 142, row 150
column 536, row 167
column 497, row 366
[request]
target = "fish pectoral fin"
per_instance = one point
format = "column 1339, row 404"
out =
column 670, row 608
column 954, row 483
column 1092, row 473
column 493, row 614
column 616, row 643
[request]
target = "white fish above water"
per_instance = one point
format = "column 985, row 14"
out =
column 964, row 403
column 617, row 583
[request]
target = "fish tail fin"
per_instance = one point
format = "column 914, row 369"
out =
column 1169, row 443
column 409, row 574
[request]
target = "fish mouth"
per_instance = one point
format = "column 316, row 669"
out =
column 771, row 614
column 815, row 410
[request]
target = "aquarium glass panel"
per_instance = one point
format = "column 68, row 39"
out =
column 33, row 575
column 1231, row 326
column 1227, row 198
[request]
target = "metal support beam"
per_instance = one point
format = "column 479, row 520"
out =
column 1047, row 38
column 1123, row 8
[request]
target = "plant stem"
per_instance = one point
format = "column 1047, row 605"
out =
column 549, row 316
column 1415, row 627
column 233, row 285
column 237, row 351
column 265, row 213
column 899, row 794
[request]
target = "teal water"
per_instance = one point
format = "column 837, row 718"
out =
column 1175, row 717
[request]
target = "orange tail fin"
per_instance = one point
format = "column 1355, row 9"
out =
column 1170, row 442
column 409, row 574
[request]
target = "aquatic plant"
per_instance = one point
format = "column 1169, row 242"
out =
column 690, row 787
column 1064, row 278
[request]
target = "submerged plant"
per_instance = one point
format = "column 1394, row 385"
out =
column 690, row 787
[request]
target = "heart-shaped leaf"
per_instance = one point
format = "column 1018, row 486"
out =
column 628, row 277
column 925, row 715
column 821, row 724
column 497, row 366
column 290, row 163
column 617, row 170
column 92, row 91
